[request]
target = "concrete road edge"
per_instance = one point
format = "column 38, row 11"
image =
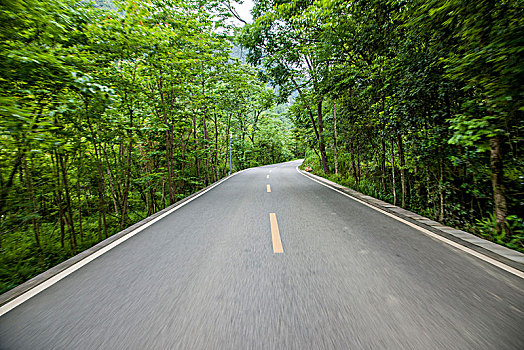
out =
column 495, row 251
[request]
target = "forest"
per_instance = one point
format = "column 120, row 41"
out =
column 113, row 110
column 418, row 103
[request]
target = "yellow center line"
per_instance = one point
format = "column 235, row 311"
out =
column 275, row 234
column 267, row 176
column 268, row 188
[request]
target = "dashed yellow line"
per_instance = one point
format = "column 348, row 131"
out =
column 267, row 176
column 275, row 234
column 268, row 188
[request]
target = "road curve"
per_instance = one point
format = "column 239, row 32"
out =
column 207, row 277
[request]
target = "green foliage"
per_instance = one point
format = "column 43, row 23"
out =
column 110, row 113
column 428, row 97
column 487, row 227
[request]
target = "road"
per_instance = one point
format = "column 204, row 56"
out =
column 207, row 277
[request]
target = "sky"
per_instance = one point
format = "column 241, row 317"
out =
column 243, row 10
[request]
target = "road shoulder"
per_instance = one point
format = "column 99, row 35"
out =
column 497, row 252
column 56, row 270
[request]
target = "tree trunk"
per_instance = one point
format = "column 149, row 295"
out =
column 383, row 164
column 402, row 170
column 359, row 167
column 5, row 188
column 206, row 150
column 441, row 190
column 335, row 136
column 197, row 158
column 321, row 145
column 352, row 154
column 68, row 208
column 308, row 107
column 169, row 153
column 227, row 135
column 499, row 193
column 31, row 194
column 101, row 199
column 183, row 147
column 243, row 137
column 393, row 180
column 127, row 174
column 319, row 130
column 79, row 196
column 114, row 194
column 163, row 193
column 256, row 115
column 169, row 161
column 102, row 224
column 383, row 144
column 59, row 202
column 215, row 155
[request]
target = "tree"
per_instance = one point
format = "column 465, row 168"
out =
column 110, row 116
column 428, row 96
column 289, row 48
column 484, row 55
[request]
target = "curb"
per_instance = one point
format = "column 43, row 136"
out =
column 495, row 251
column 46, row 275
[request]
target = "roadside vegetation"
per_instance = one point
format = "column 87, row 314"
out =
column 110, row 112
column 113, row 110
column 419, row 103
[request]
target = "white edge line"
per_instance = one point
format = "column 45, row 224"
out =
column 48, row 283
column 429, row 233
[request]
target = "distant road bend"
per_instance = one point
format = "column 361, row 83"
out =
column 270, row 259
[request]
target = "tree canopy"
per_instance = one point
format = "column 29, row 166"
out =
column 113, row 111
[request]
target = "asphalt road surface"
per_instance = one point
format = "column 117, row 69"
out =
column 207, row 277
